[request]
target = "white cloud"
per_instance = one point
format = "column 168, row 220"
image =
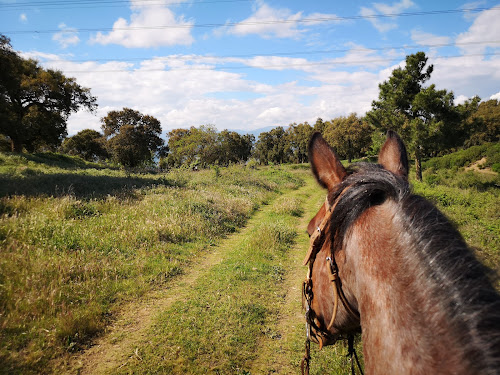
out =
column 485, row 28
column 270, row 22
column 423, row 38
column 460, row 99
column 68, row 36
column 495, row 96
column 142, row 31
column 384, row 25
column 190, row 90
column 468, row 15
column 23, row 18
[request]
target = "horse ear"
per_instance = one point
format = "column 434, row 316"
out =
column 393, row 155
column 325, row 163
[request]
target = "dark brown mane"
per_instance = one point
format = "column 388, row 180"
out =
column 458, row 280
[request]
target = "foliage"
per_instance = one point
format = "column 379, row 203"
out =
column 88, row 144
column 272, row 147
column 36, row 102
column 205, row 146
column 297, row 142
column 425, row 118
column 483, row 125
column 133, row 138
column 349, row 136
column 463, row 158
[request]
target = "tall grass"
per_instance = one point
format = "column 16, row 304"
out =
column 218, row 326
column 77, row 241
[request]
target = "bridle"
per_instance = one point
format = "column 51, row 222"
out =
column 314, row 331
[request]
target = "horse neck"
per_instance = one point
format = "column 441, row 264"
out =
column 405, row 329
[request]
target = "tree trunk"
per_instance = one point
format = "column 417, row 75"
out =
column 418, row 166
column 16, row 146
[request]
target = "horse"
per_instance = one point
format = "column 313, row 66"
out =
column 387, row 263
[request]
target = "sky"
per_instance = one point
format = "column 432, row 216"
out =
column 251, row 64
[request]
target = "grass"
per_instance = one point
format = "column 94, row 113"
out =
column 80, row 240
column 71, row 256
column 237, row 318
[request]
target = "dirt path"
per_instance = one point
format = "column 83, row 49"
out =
column 281, row 355
column 123, row 338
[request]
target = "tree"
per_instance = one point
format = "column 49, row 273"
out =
column 205, row 146
column 424, row 117
column 35, row 103
column 233, row 147
column 483, row 123
column 133, row 138
column 350, row 136
column 88, row 144
column 297, row 138
column 271, row 146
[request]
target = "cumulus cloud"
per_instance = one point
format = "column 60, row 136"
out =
column 384, row 25
column 484, row 29
column 68, row 36
column 269, row 22
column 148, row 27
column 423, row 38
column 468, row 14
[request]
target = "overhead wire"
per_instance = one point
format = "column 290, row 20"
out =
column 254, row 23
column 86, row 4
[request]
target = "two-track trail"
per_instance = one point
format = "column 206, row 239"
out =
column 120, row 350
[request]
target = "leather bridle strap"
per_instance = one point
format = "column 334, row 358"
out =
column 316, row 243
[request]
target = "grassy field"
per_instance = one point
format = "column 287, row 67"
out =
column 81, row 243
column 77, row 241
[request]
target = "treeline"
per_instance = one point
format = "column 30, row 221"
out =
column 35, row 104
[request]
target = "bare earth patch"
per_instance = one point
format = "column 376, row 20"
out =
column 475, row 167
column 122, row 339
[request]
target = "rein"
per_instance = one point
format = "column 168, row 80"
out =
column 314, row 330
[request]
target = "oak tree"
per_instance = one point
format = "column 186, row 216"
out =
column 35, row 102
column 133, row 138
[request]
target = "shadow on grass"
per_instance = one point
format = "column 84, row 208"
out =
column 79, row 186
column 61, row 161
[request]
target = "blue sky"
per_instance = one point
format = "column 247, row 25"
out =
column 247, row 64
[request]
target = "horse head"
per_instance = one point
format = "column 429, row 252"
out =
column 331, row 303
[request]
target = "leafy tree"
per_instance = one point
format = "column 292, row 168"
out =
column 350, row 136
column 133, row 138
column 271, row 146
column 193, row 146
column 35, row 102
column 176, row 141
column 233, row 147
column 483, row 124
column 424, row 117
column 205, row 146
column 319, row 125
column 88, row 144
column 297, row 137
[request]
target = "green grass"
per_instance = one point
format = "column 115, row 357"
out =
column 80, row 240
column 77, row 242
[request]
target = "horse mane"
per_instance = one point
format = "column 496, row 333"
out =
column 460, row 282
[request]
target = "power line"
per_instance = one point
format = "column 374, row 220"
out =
column 292, row 53
column 254, row 23
column 102, row 4
column 287, row 66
